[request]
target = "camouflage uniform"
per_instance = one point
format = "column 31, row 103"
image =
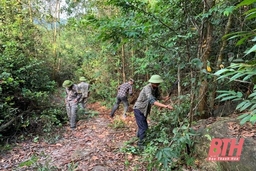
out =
column 142, row 107
column 147, row 97
column 83, row 88
column 71, row 100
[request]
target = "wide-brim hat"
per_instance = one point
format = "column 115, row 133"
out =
column 82, row 79
column 67, row 83
column 155, row 79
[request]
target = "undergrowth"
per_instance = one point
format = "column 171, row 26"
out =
column 169, row 141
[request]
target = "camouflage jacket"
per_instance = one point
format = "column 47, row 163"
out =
column 146, row 99
column 72, row 93
column 83, row 88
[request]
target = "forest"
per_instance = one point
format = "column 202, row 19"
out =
column 203, row 49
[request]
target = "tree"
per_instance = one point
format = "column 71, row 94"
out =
column 24, row 78
column 242, row 71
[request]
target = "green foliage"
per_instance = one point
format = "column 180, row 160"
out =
column 167, row 151
column 129, row 147
column 244, row 36
column 172, row 118
column 51, row 118
column 86, row 114
column 25, row 74
column 245, row 2
column 33, row 164
column 164, row 156
column 29, row 162
column 169, row 141
column 117, row 124
column 72, row 166
column 196, row 63
column 6, row 147
column 103, row 92
column 240, row 72
column 177, row 150
column 148, row 35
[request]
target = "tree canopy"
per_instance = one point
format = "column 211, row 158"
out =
column 206, row 47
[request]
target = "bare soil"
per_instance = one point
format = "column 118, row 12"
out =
column 93, row 146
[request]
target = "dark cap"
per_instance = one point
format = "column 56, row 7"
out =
column 131, row 80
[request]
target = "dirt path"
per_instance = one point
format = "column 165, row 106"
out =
column 94, row 145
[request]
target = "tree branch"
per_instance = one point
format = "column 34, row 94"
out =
column 2, row 127
column 152, row 15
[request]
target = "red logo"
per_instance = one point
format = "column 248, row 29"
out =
column 219, row 149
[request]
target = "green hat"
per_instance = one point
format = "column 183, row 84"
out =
column 155, row 79
column 67, row 83
column 82, row 79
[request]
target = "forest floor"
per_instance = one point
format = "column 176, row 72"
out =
column 95, row 145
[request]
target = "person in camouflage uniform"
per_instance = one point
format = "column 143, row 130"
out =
column 71, row 100
column 149, row 96
column 83, row 88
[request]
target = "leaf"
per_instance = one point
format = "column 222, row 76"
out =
column 219, row 72
column 225, row 93
column 229, row 10
column 246, row 105
column 167, row 152
column 253, row 112
column 253, row 119
column 228, row 98
column 253, row 49
column 245, row 2
column 242, row 40
column 159, row 155
column 196, row 62
column 247, row 77
column 252, row 95
column 251, row 15
column 237, row 75
column 240, row 105
column 245, row 119
column 238, row 60
column 226, row 75
column 208, row 137
column 239, row 94
column 243, row 115
column 253, row 107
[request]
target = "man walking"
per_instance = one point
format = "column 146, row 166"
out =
column 122, row 94
column 149, row 95
column 83, row 88
column 71, row 100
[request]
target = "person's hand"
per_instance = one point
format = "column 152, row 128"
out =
column 169, row 107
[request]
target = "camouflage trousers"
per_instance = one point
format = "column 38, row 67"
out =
column 71, row 108
column 83, row 102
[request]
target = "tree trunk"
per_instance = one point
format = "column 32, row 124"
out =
column 179, row 87
column 204, row 52
column 192, row 97
column 123, row 63
column 30, row 11
column 218, row 63
column 132, row 55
